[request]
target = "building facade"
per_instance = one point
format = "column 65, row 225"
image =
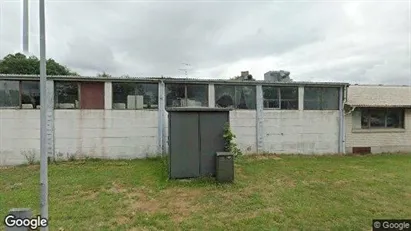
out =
column 378, row 119
column 126, row 118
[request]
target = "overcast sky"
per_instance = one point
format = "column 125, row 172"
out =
column 346, row 41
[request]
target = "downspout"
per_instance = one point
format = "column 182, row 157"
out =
column 341, row 138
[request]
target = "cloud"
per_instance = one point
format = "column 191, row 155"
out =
column 317, row 41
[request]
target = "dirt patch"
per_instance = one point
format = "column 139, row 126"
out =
column 341, row 182
column 287, row 182
column 179, row 203
column 265, row 156
column 87, row 195
column 117, row 188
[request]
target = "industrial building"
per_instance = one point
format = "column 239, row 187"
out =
column 126, row 117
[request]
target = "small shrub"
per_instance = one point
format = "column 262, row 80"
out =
column 230, row 145
column 71, row 157
column 30, row 156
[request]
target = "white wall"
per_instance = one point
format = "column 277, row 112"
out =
column 93, row 133
column 243, row 125
column 304, row 132
column 380, row 140
column 19, row 134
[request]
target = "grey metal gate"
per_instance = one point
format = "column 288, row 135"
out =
column 195, row 136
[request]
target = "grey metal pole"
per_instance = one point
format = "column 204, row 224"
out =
column 26, row 27
column 43, row 118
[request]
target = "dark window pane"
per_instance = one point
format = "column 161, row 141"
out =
column 289, row 98
column 245, row 97
column 197, row 95
column 365, row 118
column 30, row 94
column 150, row 92
column 395, row 118
column 321, row 98
column 377, row 118
column 271, row 103
column 312, row 93
column 330, row 99
column 312, row 98
column 289, row 104
column 9, row 94
column 175, row 94
column 224, row 95
column 135, row 95
column 270, row 92
column 66, row 95
column 271, row 97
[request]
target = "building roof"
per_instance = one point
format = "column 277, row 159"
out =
column 170, row 80
column 379, row 96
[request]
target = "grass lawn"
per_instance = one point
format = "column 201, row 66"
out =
column 269, row 193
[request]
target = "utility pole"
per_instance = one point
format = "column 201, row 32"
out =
column 43, row 118
column 26, row 27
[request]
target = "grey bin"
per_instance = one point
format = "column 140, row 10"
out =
column 20, row 213
column 224, row 167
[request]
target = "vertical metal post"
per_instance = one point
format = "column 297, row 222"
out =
column 259, row 118
column 43, row 117
column 160, row 118
column 26, row 27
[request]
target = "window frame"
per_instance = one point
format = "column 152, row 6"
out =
column 135, row 85
column 386, row 112
column 280, row 98
column 78, row 95
column 186, row 98
column 321, row 98
column 20, row 94
column 235, row 103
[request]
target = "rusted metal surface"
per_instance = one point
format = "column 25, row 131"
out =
column 92, row 95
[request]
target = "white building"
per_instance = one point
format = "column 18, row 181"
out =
column 126, row 117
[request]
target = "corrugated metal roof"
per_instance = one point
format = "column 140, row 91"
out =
column 168, row 80
column 379, row 96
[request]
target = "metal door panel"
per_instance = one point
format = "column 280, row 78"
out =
column 184, row 145
column 211, row 139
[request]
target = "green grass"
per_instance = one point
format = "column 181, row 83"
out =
column 280, row 193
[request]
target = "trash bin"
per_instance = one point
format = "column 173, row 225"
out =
column 225, row 167
column 19, row 213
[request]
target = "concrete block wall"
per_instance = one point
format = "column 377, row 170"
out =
column 303, row 132
column 19, row 136
column 93, row 133
column 243, row 125
column 380, row 140
column 106, row 133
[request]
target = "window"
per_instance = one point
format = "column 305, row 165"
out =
column 321, row 98
column 235, row 96
column 187, row 95
column 135, row 95
column 9, row 94
column 285, row 98
column 66, row 95
column 382, row 118
column 30, row 94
